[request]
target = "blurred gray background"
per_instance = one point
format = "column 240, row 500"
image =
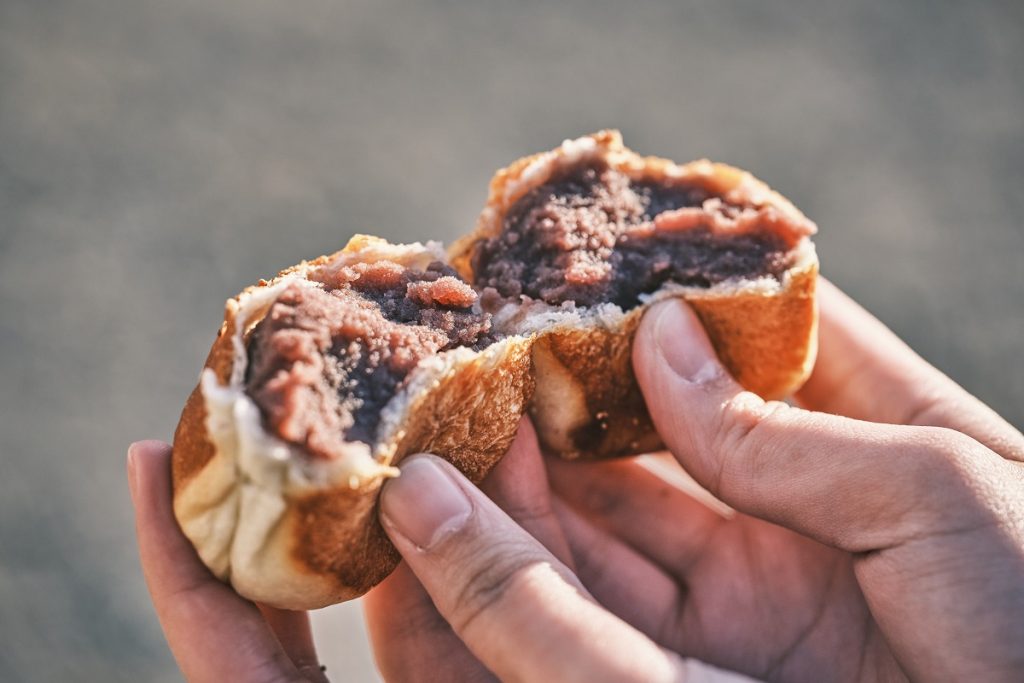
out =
column 156, row 157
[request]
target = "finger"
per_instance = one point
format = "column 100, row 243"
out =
column 635, row 505
column 517, row 608
column 410, row 637
column 215, row 635
column 621, row 579
column 855, row 485
column 519, row 485
column 293, row 632
column 400, row 613
column 866, row 372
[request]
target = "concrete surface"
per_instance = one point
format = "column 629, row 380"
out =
column 155, row 157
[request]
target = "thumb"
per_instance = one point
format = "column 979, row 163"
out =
column 851, row 484
column 520, row 610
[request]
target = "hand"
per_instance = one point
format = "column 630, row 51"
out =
column 864, row 550
column 215, row 635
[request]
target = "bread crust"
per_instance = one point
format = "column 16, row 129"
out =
column 300, row 534
column 587, row 403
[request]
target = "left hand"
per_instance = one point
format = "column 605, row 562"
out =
column 215, row 634
column 488, row 587
column 410, row 636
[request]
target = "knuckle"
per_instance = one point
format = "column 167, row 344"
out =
column 743, row 414
column 961, row 485
column 743, row 434
column 490, row 577
column 953, row 463
column 951, row 452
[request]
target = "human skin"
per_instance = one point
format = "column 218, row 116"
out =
column 885, row 544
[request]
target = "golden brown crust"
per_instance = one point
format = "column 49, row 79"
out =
column 587, row 403
column 192, row 449
column 470, row 416
column 324, row 522
column 768, row 343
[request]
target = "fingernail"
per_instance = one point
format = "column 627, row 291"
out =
column 682, row 342
column 424, row 504
column 132, row 469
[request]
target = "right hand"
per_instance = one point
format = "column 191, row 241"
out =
column 882, row 547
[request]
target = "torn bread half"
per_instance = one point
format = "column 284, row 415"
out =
column 319, row 382
column 574, row 244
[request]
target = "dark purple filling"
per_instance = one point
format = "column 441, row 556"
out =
column 588, row 236
column 323, row 363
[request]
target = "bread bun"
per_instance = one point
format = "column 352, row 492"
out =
column 587, row 403
column 300, row 532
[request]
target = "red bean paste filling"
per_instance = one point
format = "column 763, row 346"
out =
column 323, row 363
column 587, row 236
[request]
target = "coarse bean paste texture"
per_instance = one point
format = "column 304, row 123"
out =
column 592, row 235
column 325, row 361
